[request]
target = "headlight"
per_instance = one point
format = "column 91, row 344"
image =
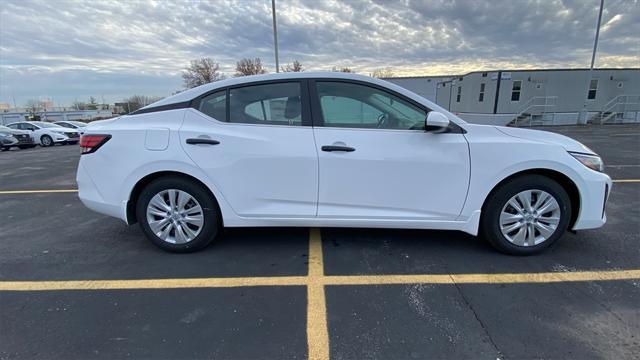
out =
column 593, row 162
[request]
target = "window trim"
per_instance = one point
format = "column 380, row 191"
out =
column 519, row 91
column 595, row 90
column 304, row 101
column 318, row 117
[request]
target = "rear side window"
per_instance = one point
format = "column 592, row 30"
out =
column 268, row 104
column 215, row 105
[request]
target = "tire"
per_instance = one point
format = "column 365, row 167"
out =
column 46, row 140
column 174, row 241
column 513, row 235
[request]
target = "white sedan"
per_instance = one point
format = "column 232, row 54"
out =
column 48, row 134
column 70, row 124
column 333, row 149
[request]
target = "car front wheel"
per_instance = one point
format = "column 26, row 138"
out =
column 178, row 215
column 46, row 140
column 526, row 215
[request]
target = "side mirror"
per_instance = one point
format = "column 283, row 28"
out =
column 436, row 122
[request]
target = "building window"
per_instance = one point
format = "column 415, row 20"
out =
column 481, row 97
column 515, row 90
column 459, row 94
column 593, row 88
column 484, row 74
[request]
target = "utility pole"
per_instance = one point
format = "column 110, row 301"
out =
column 275, row 33
column 583, row 114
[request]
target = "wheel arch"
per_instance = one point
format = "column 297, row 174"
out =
column 137, row 189
column 567, row 184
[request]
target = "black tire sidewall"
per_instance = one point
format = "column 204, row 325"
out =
column 495, row 202
column 210, row 209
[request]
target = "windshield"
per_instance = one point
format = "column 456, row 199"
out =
column 77, row 123
column 45, row 124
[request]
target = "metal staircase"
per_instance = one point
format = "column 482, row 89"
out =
column 613, row 111
column 532, row 112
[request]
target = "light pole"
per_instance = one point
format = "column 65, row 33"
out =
column 275, row 33
column 583, row 114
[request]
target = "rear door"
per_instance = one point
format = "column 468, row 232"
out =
column 377, row 161
column 256, row 145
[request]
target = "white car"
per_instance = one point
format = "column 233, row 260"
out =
column 333, row 149
column 48, row 134
column 70, row 124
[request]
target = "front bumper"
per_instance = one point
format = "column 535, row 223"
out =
column 594, row 194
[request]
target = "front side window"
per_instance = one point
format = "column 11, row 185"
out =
column 359, row 106
column 215, row 105
column 593, row 89
column 515, row 90
column 268, row 104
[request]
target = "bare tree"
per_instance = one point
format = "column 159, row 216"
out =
column 79, row 105
column 342, row 69
column 93, row 104
column 293, row 67
column 383, row 73
column 248, row 66
column 136, row 102
column 32, row 106
column 201, row 71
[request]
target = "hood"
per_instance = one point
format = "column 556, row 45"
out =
column 548, row 137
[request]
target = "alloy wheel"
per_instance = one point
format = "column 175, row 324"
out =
column 175, row 216
column 530, row 217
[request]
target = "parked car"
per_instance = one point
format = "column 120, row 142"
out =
column 7, row 141
column 48, row 134
column 338, row 150
column 23, row 138
column 77, row 125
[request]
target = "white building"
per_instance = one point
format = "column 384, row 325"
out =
column 536, row 97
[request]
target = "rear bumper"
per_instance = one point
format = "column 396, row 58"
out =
column 91, row 197
column 594, row 194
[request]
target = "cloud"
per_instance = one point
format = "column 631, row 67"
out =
column 68, row 49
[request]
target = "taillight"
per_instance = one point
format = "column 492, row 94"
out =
column 90, row 143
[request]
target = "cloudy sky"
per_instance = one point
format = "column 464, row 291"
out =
column 112, row 49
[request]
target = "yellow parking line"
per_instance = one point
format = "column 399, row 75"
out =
column 626, row 181
column 317, row 328
column 321, row 280
column 513, row 278
column 12, row 192
column 152, row 283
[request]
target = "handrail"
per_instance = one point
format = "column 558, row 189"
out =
column 549, row 101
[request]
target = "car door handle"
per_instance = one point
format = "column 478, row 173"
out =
column 337, row 148
column 196, row 141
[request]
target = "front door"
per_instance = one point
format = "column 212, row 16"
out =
column 256, row 145
column 377, row 161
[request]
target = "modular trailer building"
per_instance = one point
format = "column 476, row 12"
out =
column 535, row 97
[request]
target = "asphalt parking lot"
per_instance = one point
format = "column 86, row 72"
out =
column 78, row 285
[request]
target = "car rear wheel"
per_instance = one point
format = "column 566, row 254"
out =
column 177, row 214
column 526, row 215
column 46, row 140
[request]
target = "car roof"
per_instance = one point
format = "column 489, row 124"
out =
column 190, row 94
